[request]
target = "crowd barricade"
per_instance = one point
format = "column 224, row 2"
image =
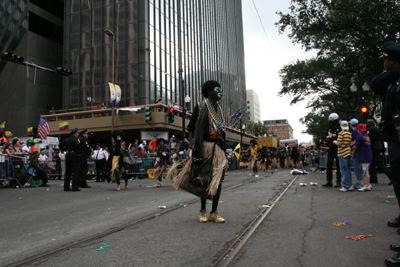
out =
column 143, row 167
column 13, row 171
column 322, row 160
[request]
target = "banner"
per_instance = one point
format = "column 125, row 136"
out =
column 118, row 93
column 3, row 127
column 63, row 126
column 112, row 94
column 30, row 131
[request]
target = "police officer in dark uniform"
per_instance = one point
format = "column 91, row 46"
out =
column 387, row 85
column 85, row 152
column 332, row 135
column 71, row 145
column 377, row 148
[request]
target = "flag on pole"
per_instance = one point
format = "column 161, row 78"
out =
column 3, row 127
column 43, row 128
column 30, row 131
column 64, row 126
column 118, row 94
column 237, row 154
column 8, row 134
column 112, row 94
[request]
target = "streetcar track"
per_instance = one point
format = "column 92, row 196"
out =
column 108, row 232
column 233, row 250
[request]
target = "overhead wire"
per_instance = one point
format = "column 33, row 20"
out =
column 265, row 32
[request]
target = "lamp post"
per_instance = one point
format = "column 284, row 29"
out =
column 111, row 33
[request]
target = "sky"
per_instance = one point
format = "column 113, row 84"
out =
column 264, row 59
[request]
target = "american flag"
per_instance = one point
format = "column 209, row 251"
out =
column 43, row 128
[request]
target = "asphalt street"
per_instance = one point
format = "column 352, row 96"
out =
column 56, row 228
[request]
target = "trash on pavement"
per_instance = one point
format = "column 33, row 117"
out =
column 387, row 201
column 312, row 183
column 356, row 238
column 346, row 221
column 162, row 207
column 264, row 206
column 339, row 224
column 303, row 184
column 298, row 172
column 391, row 196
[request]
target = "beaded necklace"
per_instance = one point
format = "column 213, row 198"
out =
column 216, row 115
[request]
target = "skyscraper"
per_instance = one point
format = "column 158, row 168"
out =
column 34, row 30
column 162, row 49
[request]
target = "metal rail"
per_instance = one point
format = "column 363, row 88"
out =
column 237, row 245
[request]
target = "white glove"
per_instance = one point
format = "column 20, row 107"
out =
column 189, row 153
column 181, row 152
column 164, row 154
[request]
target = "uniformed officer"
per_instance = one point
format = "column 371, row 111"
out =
column 85, row 151
column 387, row 85
column 71, row 145
column 332, row 135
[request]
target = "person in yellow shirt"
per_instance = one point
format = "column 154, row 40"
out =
column 344, row 153
column 254, row 149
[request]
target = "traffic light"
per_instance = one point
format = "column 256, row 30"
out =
column 11, row 57
column 364, row 110
column 147, row 114
column 63, row 71
column 171, row 115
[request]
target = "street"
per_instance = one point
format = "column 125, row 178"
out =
column 103, row 227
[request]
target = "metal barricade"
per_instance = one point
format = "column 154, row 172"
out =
column 322, row 160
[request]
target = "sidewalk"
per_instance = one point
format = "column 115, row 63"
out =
column 300, row 231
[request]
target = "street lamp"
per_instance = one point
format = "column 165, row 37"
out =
column 366, row 87
column 111, row 33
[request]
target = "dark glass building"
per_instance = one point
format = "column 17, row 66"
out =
column 162, row 49
column 34, row 30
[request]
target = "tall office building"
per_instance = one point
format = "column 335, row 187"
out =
column 253, row 106
column 34, row 30
column 162, row 49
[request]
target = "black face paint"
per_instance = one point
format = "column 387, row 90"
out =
column 216, row 93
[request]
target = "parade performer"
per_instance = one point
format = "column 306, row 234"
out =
column 181, row 149
column 164, row 153
column 203, row 172
column 254, row 149
column 265, row 159
column 115, row 166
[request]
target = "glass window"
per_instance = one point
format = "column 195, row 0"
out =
column 120, row 54
column 96, row 18
column 85, row 59
column 85, row 40
column 75, row 21
column 85, row 79
column 73, row 97
column 96, row 77
column 132, row 52
column 97, row 3
column 132, row 31
column 96, row 57
column 132, row 71
column 120, row 13
column 131, row 11
column 74, row 61
column 85, row 4
column 120, row 33
column 85, row 21
column 107, row 16
column 96, row 38
column 75, row 5
column 96, row 94
column 74, row 42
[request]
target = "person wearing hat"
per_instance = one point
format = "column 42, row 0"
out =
column 32, row 147
column 344, row 154
column 40, row 174
column 85, row 151
column 164, row 153
column 71, row 145
column 356, row 164
column 377, row 148
column 363, row 147
column 115, row 166
column 255, row 153
column 386, row 85
column 100, row 156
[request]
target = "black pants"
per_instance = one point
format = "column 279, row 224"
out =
column 282, row 162
column 41, row 175
column 71, row 167
column 215, row 200
column 377, row 163
column 83, row 170
column 100, row 169
column 395, row 175
column 332, row 155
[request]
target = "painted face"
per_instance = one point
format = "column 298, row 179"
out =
column 216, row 93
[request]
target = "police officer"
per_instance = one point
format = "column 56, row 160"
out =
column 85, row 151
column 387, row 85
column 331, row 135
column 377, row 148
column 71, row 145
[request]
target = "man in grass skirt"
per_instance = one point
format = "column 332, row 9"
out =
column 164, row 154
column 203, row 171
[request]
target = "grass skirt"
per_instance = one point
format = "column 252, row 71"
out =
column 183, row 168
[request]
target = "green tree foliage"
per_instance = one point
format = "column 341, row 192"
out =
column 258, row 128
column 347, row 34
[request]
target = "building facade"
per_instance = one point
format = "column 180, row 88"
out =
column 280, row 128
column 162, row 49
column 34, row 30
column 253, row 106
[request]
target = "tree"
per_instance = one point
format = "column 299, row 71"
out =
column 258, row 128
column 348, row 35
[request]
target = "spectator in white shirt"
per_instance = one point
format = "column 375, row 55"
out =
column 49, row 152
column 43, row 159
column 100, row 156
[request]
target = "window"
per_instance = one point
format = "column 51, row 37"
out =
column 248, row 102
column 248, row 107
